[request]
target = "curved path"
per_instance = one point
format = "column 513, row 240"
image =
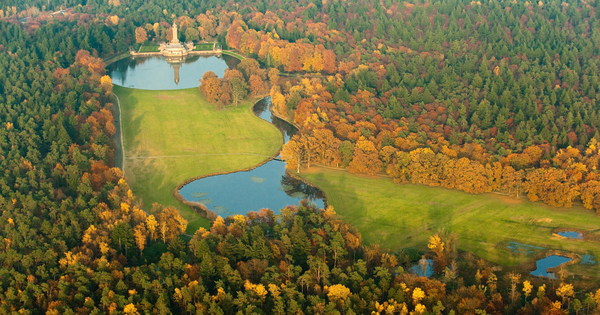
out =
column 121, row 135
column 191, row 155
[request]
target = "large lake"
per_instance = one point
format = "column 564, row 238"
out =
column 155, row 73
column 267, row 186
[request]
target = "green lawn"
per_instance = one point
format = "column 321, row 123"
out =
column 171, row 136
column 208, row 46
column 234, row 54
column 149, row 48
column 401, row 216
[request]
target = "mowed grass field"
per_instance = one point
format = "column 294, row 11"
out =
column 204, row 46
column 149, row 48
column 172, row 136
column 402, row 216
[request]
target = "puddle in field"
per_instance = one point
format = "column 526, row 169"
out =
column 571, row 234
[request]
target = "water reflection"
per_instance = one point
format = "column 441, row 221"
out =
column 267, row 186
column 157, row 73
column 423, row 268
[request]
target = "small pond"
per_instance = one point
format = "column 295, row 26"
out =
column 267, row 186
column 156, row 73
column 423, row 268
column 571, row 234
column 549, row 262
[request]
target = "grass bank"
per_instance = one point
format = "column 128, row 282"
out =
column 234, row 54
column 401, row 216
column 171, row 136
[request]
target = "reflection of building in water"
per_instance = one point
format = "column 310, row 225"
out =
column 176, row 48
column 176, row 70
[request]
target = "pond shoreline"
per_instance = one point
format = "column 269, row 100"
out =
column 575, row 259
column 201, row 209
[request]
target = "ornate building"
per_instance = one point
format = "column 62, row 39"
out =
column 175, row 49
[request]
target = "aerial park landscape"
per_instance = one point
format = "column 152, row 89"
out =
column 175, row 136
column 300, row 158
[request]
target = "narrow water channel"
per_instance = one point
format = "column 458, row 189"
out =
column 267, row 186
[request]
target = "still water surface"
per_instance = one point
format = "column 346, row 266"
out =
column 548, row 262
column 155, row 73
column 571, row 234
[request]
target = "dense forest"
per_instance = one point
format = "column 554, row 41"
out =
column 467, row 95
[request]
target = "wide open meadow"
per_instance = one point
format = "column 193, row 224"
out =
column 174, row 135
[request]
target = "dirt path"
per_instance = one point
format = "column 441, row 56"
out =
column 120, row 146
column 189, row 155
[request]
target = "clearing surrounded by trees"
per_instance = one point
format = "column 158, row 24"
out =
column 168, row 142
column 401, row 216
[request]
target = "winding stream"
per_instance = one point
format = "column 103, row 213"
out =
column 267, row 186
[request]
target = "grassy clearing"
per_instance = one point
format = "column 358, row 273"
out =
column 401, row 216
column 171, row 136
column 149, row 48
column 208, row 46
column 234, row 54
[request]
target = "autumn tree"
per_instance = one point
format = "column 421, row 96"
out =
column 210, row 86
column 170, row 223
column 226, row 92
column 273, row 76
column 230, row 74
column 140, row 35
column 239, row 90
column 329, row 61
column 437, row 245
column 365, row 158
column 256, row 84
column 292, row 153
column 250, row 67
column 140, row 237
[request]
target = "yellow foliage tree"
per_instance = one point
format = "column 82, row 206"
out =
column 219, row 226
column 106, row 84
column 140, row 237
column 439, row 248
column 527, row 287
column 565, row 291
column 130, row 309
column 418, row 295
column 152, row 224
column 338, row 292
column 292, row 154
column 258, row 289
column 419, row 309
column 114, row 19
